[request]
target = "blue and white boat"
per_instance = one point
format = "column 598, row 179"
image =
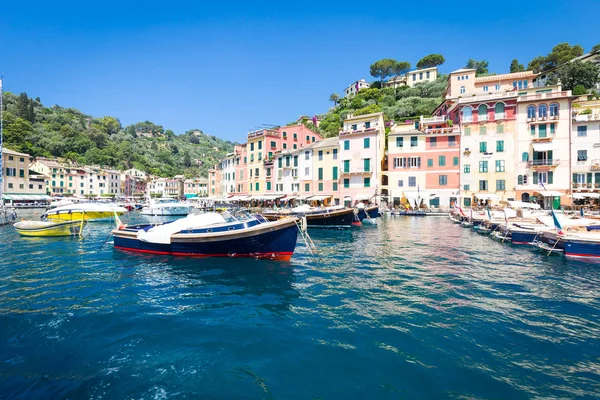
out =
column 213, row 235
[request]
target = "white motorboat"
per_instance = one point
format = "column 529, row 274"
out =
column 166, row 207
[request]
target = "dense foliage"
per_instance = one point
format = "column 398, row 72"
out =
column 66, row 132
column 399, row 103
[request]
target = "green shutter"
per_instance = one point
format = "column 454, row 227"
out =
column 482, row 147
column 550, row 177
column 542, row 130
column 367, row 164
column 455, row 161
column 320, row 174
column 589, row 178
column 597, row 178
column 574, row 178
column 520, row 179
column 335, row 172
column 535, row 178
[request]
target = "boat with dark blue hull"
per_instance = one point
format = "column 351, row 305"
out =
column 372, row 211
column 582, row 245
column 325, row 218
column 213, row 235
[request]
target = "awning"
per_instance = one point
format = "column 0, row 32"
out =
column 522, row 204
column 286, row 198
column 266, row 197
column 486, row 196
column 544, row 146
column 239, row 197
column 304, row 197
column 586, row 195
column 190, row 195
column 550, row 193
column 319, row 198
column 363, row 196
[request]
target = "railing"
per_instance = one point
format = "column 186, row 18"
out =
column 433, row 120
column 438, row 131
column 485, row 97
column 587, row 117
column 542, row 96
column 543, row 163
column 358, row 131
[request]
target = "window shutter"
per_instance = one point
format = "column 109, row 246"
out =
column 589, row 178
column 520, row 180
column 535, row 178
column 550, row 177
column 574, row 178
column 549, row 154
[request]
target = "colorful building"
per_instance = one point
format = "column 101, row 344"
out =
column 585, row 150
column 362, row 152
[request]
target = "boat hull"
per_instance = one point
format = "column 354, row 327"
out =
column 79, row 215
column 275, row 241
column 372, row 212
column 166, row 212
column 522, row 237
column 39, row 229
column 579, row 248
column 333, row 219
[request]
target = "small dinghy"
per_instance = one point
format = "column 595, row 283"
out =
column 47, row 228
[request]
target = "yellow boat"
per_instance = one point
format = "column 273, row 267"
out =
column 46, row 228
column 85, row 211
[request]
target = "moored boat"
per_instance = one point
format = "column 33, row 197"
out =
column 86, row 211
column 213, row 235
column 48, row 228
column 337, row 217
column 166, row 207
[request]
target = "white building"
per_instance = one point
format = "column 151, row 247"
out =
column 353, row 88
column 585, row 149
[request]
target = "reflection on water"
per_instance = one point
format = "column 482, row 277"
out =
column 412, row 307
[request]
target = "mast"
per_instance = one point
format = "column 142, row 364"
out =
column 1, row 148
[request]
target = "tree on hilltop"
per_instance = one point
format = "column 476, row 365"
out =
column 561, row 54
column 431, row 60
column 516, row 67
column 595, row 49
column 382, row 69
column 335, row 98
column 480, row 67
column 579, row 73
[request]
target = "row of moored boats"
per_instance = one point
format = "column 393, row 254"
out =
column 525, row 224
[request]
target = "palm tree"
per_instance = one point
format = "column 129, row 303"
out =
column 335, row 98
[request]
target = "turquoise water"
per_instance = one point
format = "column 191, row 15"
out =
column 411, row 308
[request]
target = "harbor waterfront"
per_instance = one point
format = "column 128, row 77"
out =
column 406, row 308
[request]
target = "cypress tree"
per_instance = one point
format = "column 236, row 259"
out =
column 31, row 112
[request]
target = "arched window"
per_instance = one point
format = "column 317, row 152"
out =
column 482, row 112
column 525, row 197
column 462, row 89
column 554, row 110
column 499, row 110
column 542, row 110
column 467, row 114
column 531, row 112
column 525, row 157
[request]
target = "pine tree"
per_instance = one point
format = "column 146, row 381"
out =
column 31, row 112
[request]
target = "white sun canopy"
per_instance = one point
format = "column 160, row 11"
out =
column 318, row 198
column 544, row 146
column 550, row 193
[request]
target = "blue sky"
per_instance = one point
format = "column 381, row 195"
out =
column 229, row 67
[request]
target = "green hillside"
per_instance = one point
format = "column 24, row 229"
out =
column 66, row 132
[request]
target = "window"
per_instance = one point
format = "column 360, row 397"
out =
column 414, row 162
column 554, row 110
column 482, row 112
column 320, row 155
column 467, row 187
column 11, row 172
column 497, row 87
column 346, row 166
column 335, row 173
column 455, row 161
column 294, row 146
column 433, row 142
column 273, row 145
column 482, row 130
column 414, row 77
column 581, row 131
column 256, row 186
column 252, row 146
column 483, row 166
column 500, row 146
column 399, row 142
column 307, row 138
column 483, row 147
column 500, row 128
column 306, row 155
column 260, row 145
column 542, row 130
column 353, row 127
column 412, row 181
column 287, row 161
column 306, row 171
column 346, row 183
column 500, row 184
column 430, row 162
column 367, row 125
column 10, row 185
column 367, row 165
column 397, row 162
column 499, row 110
column 414, row 141
column 443, row 180
column 520, row 180
column 335, row 154
column 441, row 161
column 320, row 173
column 531, row 112
column 367, row 182
column 268, row 185
column 307, row 187
column 259, row 154
column 295, row 161
column 542, row 110
column 467, row 168
column 451, row 141
column 467, row 114
column 320, row 186
column 582, row 155
column 400, row 183
column 468, row 131
column 346, row 145
column 483, row 185
column 552, row 128
column 485, row 89
column 420, row 76
column 427, row 74
column 22, row 173
column 462, row 89
column 532, row 129
column 500, row 166
column 334, row 186
column 280, row 162
column 367, row 143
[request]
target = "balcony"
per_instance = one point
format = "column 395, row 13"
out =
column 351, row 132
column 441, row 131
column 543, row 163
column 586, row 117
column 542, row 96
column 357, row 172
column 268, row 162
column 487, row 97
